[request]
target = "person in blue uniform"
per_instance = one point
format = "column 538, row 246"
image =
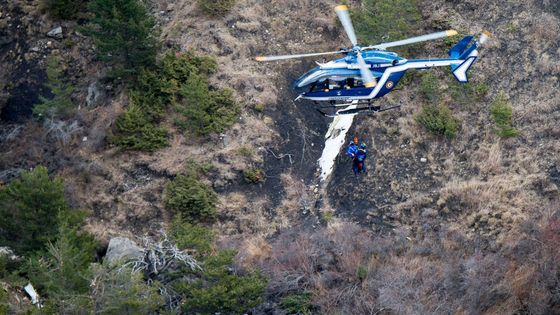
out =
column 359, row 165
column 352, row 148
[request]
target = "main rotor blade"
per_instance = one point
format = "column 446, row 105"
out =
column 413, row 40
column 344, row 17
column 283, row 57
column 367, row 77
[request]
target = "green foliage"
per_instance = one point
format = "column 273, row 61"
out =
column 439, row 120
column 297, row 303
column 259, row 107
column 216, row 7
column 502, row 113
column 121, row 291
column 135, row 131
column 253, row 175
column 178, row 81
column 466, row 94
column 191, row 237
column 379, row 21
column 125, row 35
column 63, row 273
column 429, row 87
column 60, row 105
column 204, row 111
column 219, row 290
column 193, row 199
column 361, row 272
column 29, row 207
column 64, row 9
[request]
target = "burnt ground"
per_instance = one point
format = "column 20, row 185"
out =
column 21, row 79
column 301, row 134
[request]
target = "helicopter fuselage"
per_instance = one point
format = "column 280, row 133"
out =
column 340, row 79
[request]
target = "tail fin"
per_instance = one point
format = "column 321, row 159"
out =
column 462, row 51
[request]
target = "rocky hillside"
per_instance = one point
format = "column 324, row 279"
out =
column 464, row 225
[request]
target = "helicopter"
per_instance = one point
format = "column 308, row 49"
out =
column 370, row 72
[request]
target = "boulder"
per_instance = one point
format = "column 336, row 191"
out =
column 56, row 33
column 123, row 249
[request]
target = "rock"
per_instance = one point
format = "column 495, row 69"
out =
column 96, row 94
column 9, row 253
column 35, row 49
column 123, row 249
column 56, row 33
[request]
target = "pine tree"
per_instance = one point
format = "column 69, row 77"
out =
column 63, row 273
column 64, row 9
column 125, row 35
column 60, row 105
column 29, row 207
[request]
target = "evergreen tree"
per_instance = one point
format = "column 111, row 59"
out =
column 63, row 273
column 121, row 291
column 125, row 34
column 60, row 105
column 29, row 207
column 64, row 9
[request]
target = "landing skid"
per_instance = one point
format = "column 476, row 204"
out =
column 353, row 111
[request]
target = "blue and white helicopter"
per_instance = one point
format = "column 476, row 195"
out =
column 370, row 72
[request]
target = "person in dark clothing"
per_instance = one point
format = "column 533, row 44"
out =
column 359, row 164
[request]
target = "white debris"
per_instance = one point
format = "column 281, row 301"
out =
column 30, row 290
column 423, row 160
column 56, row 33
column 334, row 140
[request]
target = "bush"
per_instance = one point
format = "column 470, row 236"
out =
column 219, row 290
column 135, row 131
column 439, row 120
column 191, row 237
column 216, row 7
column 204, row 111
column 192, row 198
column 502, row 112
column 121, row 291
column 297, row 303
column 64, row 9
column 429, row 87
column 125, row 36
column 254, row 175
column 29, row 207
column 60, row 105
column 178, row 81
column 469, row 93
column 379, row 21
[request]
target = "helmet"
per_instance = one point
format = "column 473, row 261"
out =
column 363, row 145
column 355, row 140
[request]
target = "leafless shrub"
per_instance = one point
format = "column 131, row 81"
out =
column 61, row 130
column 160, row 258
